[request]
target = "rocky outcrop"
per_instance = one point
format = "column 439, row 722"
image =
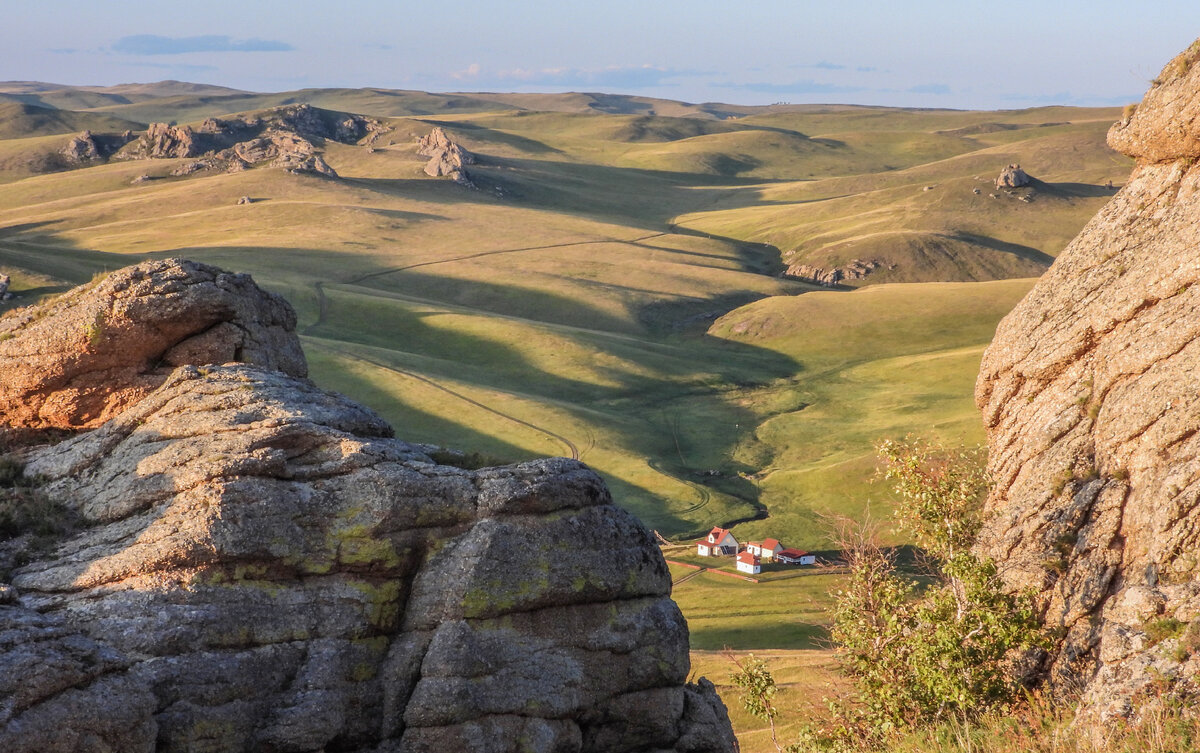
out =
column 1089, row 396
column 446, row 158
column 286, row 137
column 1013, row 177
column 261, row 566
column 163, row 141
column 857, row 269
column 82, row 149
column 47, row 667
column 87, row 148
column 88, row 355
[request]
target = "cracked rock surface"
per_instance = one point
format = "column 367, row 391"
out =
column 261, row 566
column 1090, row 395
column 89, row 354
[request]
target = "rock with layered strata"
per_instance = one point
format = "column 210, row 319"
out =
column 1091, row 401
column 94, row 351
column 278, row 573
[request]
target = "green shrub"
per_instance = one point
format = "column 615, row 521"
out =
column 1163, row 628
column 920, row 659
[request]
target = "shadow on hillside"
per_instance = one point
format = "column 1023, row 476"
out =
column 1025, row 252
column 754, row 636
column 524, row 143
column 416, row 321
column 633, row 376
column 37, row 249
column 1075, row 190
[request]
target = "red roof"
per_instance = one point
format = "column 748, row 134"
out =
column 718, row 534
column 792, row 553
column 771, row 544
column 748, row 558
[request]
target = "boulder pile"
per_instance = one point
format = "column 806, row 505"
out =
column 1013, row 177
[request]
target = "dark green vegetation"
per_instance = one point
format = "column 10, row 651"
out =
column 922, row 654
column 30, row 521
column 612, row 290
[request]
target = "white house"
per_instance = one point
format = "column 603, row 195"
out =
column 767, row 549
column 718, row 542
column 749, row 563
column 796, row 557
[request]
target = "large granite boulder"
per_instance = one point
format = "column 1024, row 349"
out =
column 258, row 565
column 1091, row 398
column 92, row 352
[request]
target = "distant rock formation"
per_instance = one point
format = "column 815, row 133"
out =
column 86, row 356
column 261, row 566
column 1089, row 397
column 857, row 269
column 82, row 149
column 446, row 158
column 285, row 137
column 87, row 148
column 1013, row 177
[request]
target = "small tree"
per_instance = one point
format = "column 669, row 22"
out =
column 924, row 656
column 758, row 689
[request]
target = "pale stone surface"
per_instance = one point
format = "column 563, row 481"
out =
column 446, row 157
column 259, row 565
column 1091, row 398
column 97, row 349
column 1013, row 177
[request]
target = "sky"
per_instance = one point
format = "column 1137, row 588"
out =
column 918, row 53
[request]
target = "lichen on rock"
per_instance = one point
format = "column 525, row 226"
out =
column 262, row 566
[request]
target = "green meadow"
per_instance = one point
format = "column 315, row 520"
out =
column 612, row 290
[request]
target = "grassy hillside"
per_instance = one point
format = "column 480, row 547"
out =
column 611, row 289
column 19, row 120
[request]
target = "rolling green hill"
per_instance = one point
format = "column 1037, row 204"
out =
column 19, row 120
column 611, row 288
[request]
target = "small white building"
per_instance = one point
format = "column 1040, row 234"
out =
column 719, row 542
column 796, row 557
column 749, row 563
column 767, row 549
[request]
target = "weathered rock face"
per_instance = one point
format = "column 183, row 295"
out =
column 82, row 149
column 446, row 158
column 88, row 148
column 94, row 351
column 1089, row 393
column 857, row 269
column 1013, row 177
column 280, row 137
column 263, row 567
column 163, row 141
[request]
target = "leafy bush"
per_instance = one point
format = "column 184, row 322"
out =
column 921, row 657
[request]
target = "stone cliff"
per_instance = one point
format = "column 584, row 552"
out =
column 1091, row 398
column 258, row 565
